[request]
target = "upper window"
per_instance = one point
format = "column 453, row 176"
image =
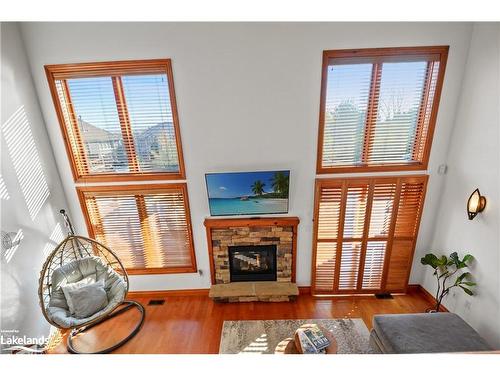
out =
column 378, row 108
column 119, row 119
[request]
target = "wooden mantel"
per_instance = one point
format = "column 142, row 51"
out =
column 217, row 224
column 251, row 222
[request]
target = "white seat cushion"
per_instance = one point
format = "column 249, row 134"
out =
column 114, row 285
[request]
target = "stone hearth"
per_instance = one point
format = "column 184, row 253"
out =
column 223, row 233
column 263, row 291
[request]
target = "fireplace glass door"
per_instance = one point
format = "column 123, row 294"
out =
column 252, row 263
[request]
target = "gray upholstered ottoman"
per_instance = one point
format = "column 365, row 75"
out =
column 424, row 333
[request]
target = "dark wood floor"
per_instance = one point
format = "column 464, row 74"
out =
column 192, row 324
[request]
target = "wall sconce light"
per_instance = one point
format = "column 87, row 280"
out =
column 475, row 204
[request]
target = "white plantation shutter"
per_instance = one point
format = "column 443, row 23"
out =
column 354, row 218
column 349, row 265
column 379, row 108
column 354, row 226
column 365, row 231
column 328, row 221
column 381, row 209
column 410, row 205
column 148, row 229
column 329, row 208
column 325, row 266
column 382, row 206
column 374, row 265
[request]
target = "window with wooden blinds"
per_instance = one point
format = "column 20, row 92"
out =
column 119, row 119
column 148, row 226
column 365, row 231
column 378, row 108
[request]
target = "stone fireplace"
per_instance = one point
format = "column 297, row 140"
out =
column 248, row 254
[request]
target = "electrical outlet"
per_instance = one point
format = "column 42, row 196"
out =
column 442, row 169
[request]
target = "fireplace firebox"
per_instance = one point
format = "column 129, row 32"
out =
column 252, row 263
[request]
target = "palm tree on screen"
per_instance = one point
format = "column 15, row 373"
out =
column 279, row 182
column 258, row 187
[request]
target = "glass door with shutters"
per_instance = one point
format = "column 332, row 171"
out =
column 378, row 111
column 364, row 233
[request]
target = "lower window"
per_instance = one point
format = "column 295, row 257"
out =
column 365, row 231
column 147, row 226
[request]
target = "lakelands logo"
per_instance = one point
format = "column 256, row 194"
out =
column 12, row 341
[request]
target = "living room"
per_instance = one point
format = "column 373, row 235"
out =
column 232, row 187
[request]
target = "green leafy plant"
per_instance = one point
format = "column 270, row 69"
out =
column 444, row 269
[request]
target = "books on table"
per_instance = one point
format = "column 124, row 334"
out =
column 311, row 340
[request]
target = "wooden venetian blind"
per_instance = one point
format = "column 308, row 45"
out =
column 148, row 226
column 119, row 119
column 378, row 108
column 364, row 233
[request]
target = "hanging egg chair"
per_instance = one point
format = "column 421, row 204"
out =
column 79, row 259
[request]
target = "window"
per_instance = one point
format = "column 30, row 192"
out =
column 119, row 120
column 378, row 108
column 148, row 226
column 119, row 123
column 365, row 231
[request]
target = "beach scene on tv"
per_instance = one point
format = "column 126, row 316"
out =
column 248, row 193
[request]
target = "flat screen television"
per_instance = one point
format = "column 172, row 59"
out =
column 248, row 193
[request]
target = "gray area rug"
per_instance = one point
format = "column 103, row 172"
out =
column 263, row 336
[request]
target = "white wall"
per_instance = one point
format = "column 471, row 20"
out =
column 473, row 161
column 30, row 191
column 248, row 99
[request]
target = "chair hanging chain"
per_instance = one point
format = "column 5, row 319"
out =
column 71, row 232
column 67, row 223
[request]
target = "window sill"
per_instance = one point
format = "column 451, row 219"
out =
column 372, row 168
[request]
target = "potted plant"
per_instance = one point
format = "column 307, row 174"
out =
column 444, row 269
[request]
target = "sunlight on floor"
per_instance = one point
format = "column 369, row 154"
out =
column 258, row 346
column 26, row 160
column 55, row 239
column 4, row 194
column 280, row 348
column 9, row 254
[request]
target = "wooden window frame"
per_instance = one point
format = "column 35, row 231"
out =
column 343, row 184
column 115, row 69
column 148, row 189
column 377, row 56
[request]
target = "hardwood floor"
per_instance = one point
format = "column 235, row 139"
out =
column 192, row 324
